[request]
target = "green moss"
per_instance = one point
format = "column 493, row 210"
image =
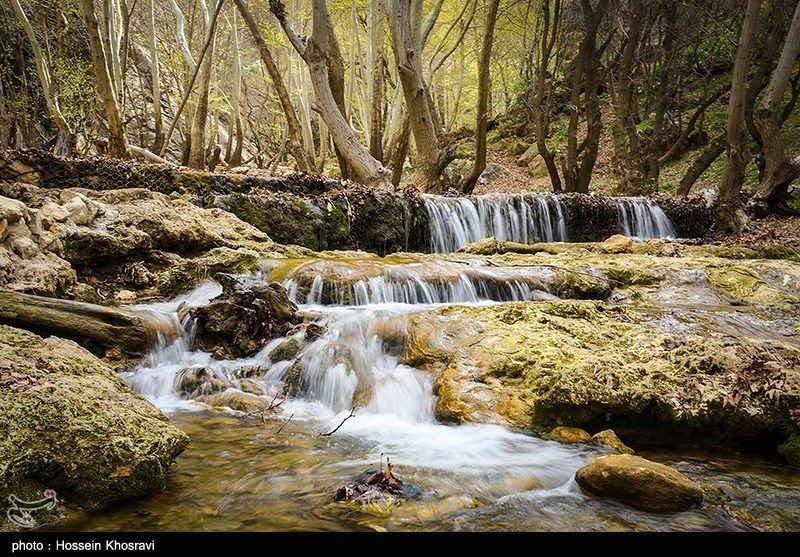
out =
column 790, row 449
column 744, row 283
column 71, row 424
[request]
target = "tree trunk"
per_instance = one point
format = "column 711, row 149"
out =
column 117, row 142
column 400, row 151
column 729, row 208
column 375, row 61
column 484, row 86
column 65, row 140
column 296, row 145
column 197, row 134
column 133, row 331
column 158, row 122
column 549, row 22
column 700, row 165
column 405, row 17
column 363, row 166
column 780, row 171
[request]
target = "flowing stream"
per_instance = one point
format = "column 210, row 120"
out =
column 243, row 474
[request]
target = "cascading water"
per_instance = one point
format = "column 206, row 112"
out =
column 349, row 365
column 643, row 219
column 440, row 282
column 525, row 218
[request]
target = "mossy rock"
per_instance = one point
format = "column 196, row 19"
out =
column 564, row 434
column 607, row 438
column 71, row 424
column 640, row 483
column 286, row 350
column 790, row 449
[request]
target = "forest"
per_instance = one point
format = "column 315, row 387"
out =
column 518, row 265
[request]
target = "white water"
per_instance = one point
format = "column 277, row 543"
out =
column 528, row 218
column 525, row 218
column 416, row 283
column 349, row 365
column 642, row 219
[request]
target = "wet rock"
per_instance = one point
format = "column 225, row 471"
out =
column 72, row 425
column 285, row 351
column 607, row 438
column 236, row 400
column 251, row 387
column 640, row 483
column 538, row 365
column 616, row 244
column 564, row 434
column 197, row 382
column 377, row 492
column 247, row 314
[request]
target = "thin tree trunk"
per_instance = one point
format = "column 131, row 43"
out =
column 158, row 122
column 700, row 165
column 400, row 152
column 780, row 171
column 548, row 33
column 296, row 145
column 728, row 219
column 314, row 52
column 197, row 135
column 117, row 142
column 375, row 61
column 65, row 141
column 430, row 160
column 234, row 156
column 484, row 85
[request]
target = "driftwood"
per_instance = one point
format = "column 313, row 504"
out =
column 133, row 331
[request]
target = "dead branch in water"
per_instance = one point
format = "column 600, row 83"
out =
column 283, row 425
column 352, row 413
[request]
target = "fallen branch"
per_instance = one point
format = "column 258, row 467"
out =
column 284, row 425
column 149, row 155
column 352, row 413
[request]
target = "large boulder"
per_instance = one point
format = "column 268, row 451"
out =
column 71, row 424
column 247, row 314
column 640, row 483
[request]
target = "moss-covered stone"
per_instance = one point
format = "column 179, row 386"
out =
column 538, row 365
column 790, row 449
column 286, row 350
column 70, row 424
column 564, row 434
column 640, row 483
column 607, row 438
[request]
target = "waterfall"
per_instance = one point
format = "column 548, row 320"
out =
column 643, row 219
column 321, row 283
column 525, row 218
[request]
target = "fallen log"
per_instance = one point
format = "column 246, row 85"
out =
column 133, row 331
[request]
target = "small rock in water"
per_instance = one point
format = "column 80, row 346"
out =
column 564, row 434
column 286, row 350
column 607, row 438
column 617, row 243
column 640, row 483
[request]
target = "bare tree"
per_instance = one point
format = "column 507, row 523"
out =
column 65, row 141
column 780, row 170
column 484, row 85
column 296, row 145
column 405, row 17
column 117, row 141
column 158, row 122
column 729, row 207
column 315, row 51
